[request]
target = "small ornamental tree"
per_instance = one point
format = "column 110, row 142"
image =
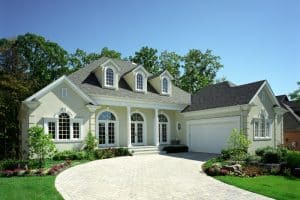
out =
column 40, row 145
column 91, row 142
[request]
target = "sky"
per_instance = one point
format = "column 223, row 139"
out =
column 256, row 40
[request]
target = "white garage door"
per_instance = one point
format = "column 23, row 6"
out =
column 210, row 135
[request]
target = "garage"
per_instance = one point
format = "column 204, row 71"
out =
column 210, row 135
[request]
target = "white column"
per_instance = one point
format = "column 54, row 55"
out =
column 128, row 127
column 156, row 131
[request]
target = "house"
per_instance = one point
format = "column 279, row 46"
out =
column 291, row 122
column 126, row 106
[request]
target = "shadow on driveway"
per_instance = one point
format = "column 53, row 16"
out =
column 192, row 156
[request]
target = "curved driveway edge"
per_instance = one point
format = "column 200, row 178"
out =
column 177, row 176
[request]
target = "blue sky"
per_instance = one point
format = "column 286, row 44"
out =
column 255, row 39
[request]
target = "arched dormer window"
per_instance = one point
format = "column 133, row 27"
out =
column 109, row 77
column 165, row 86
column 262, row 126
column 139, row 82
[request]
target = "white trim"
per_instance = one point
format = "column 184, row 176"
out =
column 144, row 127
column 168, row 85
column 114, row 85
column 54, row 84
column 168, row 128
column 110, row 61
column 144, row 82
column 116, row 122
column 64, row 92
column 141, row 67
column 214, row 120
column 271, row 93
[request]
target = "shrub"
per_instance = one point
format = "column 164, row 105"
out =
column 40, row 144
column 271, row 154
column 253, row 159
column 70, row 155
column 175, row 149
column 210, row 162
column 111, row 152
column 261, row 151
column 293, row 159
column 226, row 154
column 13, row 164
column 91, row 142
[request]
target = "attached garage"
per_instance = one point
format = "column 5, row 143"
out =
column 210, row 135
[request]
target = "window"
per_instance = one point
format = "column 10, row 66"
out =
column 139, row 82
column 262, row 127
column 64, row 92
column 64, row 126
column 106, row 129
column 107, row 116
column 51, row 129
column 165, row 87
column 76, row 130
column 109, row 77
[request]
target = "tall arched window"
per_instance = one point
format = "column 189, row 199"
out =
column 139, row 82
column 137, row 129
column 262, row 126
column 109, row 77
column 64, row 126
column 165, row 86
column 163, row 129
column 106, row 129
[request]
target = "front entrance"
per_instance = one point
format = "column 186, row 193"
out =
column 106, row 129
column 137, row 129
column 163, row 129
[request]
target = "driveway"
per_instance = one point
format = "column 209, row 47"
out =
column 176, row 176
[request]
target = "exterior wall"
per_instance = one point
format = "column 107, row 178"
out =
column 276, row 130
column 52, row 103
column 290, row 137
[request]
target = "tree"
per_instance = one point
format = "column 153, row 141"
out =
column 105, row 52
column 296, row 94
column 147, row 57
column 199, row 70
column 40, row 145
column 171, row 61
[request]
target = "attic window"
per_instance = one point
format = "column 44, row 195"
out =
column 165, row 86
column 139, row 82
column 64, row 92
column 109, row 77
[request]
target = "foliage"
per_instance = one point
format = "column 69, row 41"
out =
column 293, row 159
column 253, row 159
column 90, row 141
column 199, row 70
column 176, row 149
column 40, row 144
column 13, row 164
column 272, row 155
column 70, row 155
column 170, row 61
column 210, row 162
column 33, row 187
column 105, row 52
column 148, row 58
column 277, row 187
column 111, row 152
column 296, row 94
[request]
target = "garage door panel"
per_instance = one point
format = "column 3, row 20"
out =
column 211, row 137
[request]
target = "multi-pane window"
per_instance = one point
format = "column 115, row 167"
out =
column 139, row 82
column 101, row 130
column 109, row 77
column 64, row 126
column 262, row 127
column 111, row 133
column 76, row 130
column 165, row 85
column 106, row 128
column 51, row 129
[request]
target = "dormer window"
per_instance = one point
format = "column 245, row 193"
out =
column 165, row 86
column 139, row 82
column 109, row 77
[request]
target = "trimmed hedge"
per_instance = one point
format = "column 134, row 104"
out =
column 176, row 149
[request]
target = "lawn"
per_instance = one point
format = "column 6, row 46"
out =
column 277, row 187
column 31, row 187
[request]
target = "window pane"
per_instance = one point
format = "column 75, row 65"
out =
column 111, row 133
column 139, row 82
column 51, row 129
column 162, row 118
column 256, row 129
column 64, row 126
column 137, row 117
column 165, row 85
column 107, row 116
column 262, row 128
column 140, row 133
column 267, row 129
column 109, row 77
column 101, row 133
column 76, row 131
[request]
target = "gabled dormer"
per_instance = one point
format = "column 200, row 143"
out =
column 162, row 83
column 108, row 74
column 137, row 79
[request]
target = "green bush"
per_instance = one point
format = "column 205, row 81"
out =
column 211, row 162
column 91, row 142
column 13, row 164
column 70, row 155
column 293, row 159
column 271, row 154
column 111, row 152
column 253, row 159
column 261, row 151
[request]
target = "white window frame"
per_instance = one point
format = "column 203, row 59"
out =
column 64, row 92
column 136, row 82
column 162, row 85
column 56, row 121
column 105, row 78
column 257, row 129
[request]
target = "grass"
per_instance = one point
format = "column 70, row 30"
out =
column 278, row 187
column 32, row 187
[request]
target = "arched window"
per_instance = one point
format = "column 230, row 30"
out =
column 163, row 129
column 106, row 129
column 109, row 77
column 64, row 126
column 139, row 82
column 162, row 118
column 137, row 117
column 107, row 116
column 165, row 86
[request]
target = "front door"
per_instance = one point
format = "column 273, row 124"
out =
column 137, row 129
column 163, row 129
column 106, row 129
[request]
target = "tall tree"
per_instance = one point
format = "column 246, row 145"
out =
column 199, row 70
column 148, row 58
column 110, row 53
column 296, row 94
column 171, row 61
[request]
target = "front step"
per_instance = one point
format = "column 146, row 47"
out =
column 141, row 150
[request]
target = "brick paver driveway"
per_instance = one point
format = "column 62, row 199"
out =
column 177, row 176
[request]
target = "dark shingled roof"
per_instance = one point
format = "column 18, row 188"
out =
column 222, row 95
column 86, row 80
column 290, row 122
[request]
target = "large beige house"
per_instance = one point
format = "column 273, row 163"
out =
column 126, row 106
